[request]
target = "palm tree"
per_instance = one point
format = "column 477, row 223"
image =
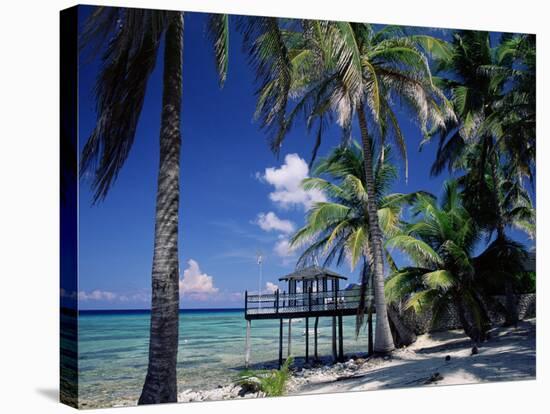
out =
column 339, row 229
column 343, row 70
column 131, row 39
column 513, row 121
column 484, row 142
column 441, row 243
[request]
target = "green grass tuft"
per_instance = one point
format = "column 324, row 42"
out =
column 271, row 382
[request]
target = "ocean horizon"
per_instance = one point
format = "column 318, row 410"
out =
column 91, row 311
column 113, row 349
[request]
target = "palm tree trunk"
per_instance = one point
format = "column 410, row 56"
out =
column 383, row 341
column 511, row 312
column 404, row 335
column 370, row 345
column 469, row 328
column 161, row 381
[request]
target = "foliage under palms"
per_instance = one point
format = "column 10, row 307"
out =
column 441, row 243
column 493, row 142
column 129, row 40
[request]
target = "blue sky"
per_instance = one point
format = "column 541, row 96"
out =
column 237, row 198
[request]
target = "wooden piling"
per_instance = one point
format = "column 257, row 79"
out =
column 334, row 353
column 315, row 345
column 247, row 345
column 280, row 342
column 307, row 339
column 340, row 339
column 289, row 344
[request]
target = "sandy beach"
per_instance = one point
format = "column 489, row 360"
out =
column 440, row 358
column 508, row 355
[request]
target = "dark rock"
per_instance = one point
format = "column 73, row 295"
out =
column 475, row 351
column 434, row 378
column 252, row 385
column 448, row 358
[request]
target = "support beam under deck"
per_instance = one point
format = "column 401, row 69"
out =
column 247, row 344
column 340, row 339
column 307, row 340
column 280, row 342
column 315, row 343
column 289, row 343
column 334, row 352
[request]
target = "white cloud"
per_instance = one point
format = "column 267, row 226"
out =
column 287, row 181
column 96, row 295
column 283, row 248
column 196, row 284
column 270, row 221
column 143, row 296
column 271, row 287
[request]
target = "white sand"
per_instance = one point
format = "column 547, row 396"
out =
column 508, row 355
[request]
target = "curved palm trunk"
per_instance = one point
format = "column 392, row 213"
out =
column 404, row 336
column 161, row 381
column 383, row 341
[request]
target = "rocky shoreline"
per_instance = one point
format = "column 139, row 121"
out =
column 300, row 376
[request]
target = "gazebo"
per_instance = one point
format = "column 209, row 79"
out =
column 312, row 292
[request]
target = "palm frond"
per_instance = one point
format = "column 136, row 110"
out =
column 127, row 64
column 268, row 54
column 218, row 29
column 417, row 250
column 439, row 279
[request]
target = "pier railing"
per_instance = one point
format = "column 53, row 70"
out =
column 285, row 304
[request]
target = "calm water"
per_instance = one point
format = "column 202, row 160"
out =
column 113, row 349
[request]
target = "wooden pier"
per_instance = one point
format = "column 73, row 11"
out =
column 313, row 292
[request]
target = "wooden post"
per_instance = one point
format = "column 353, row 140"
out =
column 334, row 356
column 280, row 341
column 245, row 302
column 315, row 346
column 277, row 303
column 289, row 346
column 307, row 339
column 340, row 339
column 247, row 346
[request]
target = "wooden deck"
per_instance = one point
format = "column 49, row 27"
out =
column 300, row 305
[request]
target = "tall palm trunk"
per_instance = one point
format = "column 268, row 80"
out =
column 469, row 328
column 161, row 381
column 369, row 318
column 383, row 341
column 511, row 312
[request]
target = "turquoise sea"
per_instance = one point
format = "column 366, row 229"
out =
column 113, row 347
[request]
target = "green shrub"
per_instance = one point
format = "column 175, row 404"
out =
column 271, row 382
column 527, row 282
